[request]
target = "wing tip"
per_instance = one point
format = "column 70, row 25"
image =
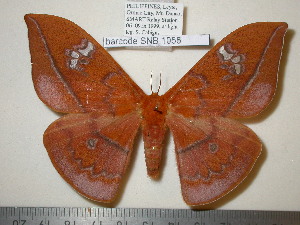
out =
column 30, row 16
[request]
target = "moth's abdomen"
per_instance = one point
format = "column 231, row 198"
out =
column 153, row 143
column 154, row 129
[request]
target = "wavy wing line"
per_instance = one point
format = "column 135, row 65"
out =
column 253, row 77
column 54, row 67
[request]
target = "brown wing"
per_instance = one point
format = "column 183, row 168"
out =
column 214, row 155
column 236, row 78
column 73, row 73
column 91, row 152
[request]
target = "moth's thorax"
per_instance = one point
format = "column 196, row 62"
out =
column 154, row 110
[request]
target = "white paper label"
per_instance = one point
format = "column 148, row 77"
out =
column 153, row 18
column 154, row 24
column 156, row 41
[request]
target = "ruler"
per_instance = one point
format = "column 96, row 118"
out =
column 142, row 216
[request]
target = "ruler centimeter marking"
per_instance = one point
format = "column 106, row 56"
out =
column 142, row 216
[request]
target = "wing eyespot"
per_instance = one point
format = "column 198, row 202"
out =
column 80, row 55
column 231, row 60
column 91, row 143
column 213, row 147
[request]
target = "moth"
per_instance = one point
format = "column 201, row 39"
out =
column 91, row 145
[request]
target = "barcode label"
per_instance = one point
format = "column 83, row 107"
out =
column 156, row 41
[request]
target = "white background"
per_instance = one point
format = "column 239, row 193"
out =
column 27, row 177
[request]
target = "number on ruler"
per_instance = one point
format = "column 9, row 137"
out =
column 120, row 223
column 94, row 223
column 21, row 222
column 67, row 222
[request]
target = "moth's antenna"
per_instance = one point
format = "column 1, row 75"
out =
column 151, row 75
column 151, row 81
column 159, row 82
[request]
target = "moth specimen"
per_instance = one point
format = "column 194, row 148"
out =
column 91, row 145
